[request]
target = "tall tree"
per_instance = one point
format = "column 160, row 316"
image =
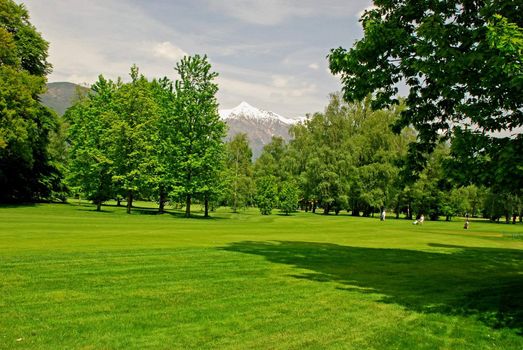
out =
column 198, row 132
column 159, row 181
column 26, row 172
column 134, row 128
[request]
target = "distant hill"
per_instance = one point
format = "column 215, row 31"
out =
column 60, row 96
column 259, row 125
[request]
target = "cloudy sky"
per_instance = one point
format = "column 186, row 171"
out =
column 269, row 53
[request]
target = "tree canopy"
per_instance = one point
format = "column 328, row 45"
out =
column 441, row 52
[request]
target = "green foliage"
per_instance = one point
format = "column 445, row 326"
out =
column 238, row 171
column 133, row 130
column 288, row 197
column 90, row 170
column 26, row 170
column 30, row 49
column 266, row 194
column 507, row 37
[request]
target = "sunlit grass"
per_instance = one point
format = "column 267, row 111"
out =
column 71, row 277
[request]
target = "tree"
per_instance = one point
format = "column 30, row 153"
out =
column 288, row 197
column 441, row 52
column 266, row 194
column 26, row 171
column 158, row 178
column 238, row 169
column 90, row 168
column 198, row 132
column 133, row 130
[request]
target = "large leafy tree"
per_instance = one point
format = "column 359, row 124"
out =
column 26, row 172
column 197, row 131
column 441, row 51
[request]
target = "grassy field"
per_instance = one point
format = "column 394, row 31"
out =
column 73, row 278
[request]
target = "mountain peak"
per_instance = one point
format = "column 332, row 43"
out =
column 246, row 111
column 244, row 104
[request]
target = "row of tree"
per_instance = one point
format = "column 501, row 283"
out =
column 348, row 158
column 148, row 139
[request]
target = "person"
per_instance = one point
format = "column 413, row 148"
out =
column 383, row 214
column 466, row 226
column 421, row 219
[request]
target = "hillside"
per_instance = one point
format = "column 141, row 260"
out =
column 60, row 96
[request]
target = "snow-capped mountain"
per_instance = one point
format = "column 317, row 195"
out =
column 259, row 125
column 246, row 111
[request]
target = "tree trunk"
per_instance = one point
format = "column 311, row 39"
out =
column 188, row 206
column 129, row 201
column 98, row 205
column 206, row 207
column 163, row 198
column 514, row 217
column 118, row 201
column 314, row 207
column 326, row 209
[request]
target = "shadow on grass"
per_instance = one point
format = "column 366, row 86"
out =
column 17, row 205
column 478, row 282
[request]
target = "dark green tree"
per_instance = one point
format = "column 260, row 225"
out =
column 26, row 171
column 441, row 51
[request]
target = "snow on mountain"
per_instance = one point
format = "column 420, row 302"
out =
column 259, row 125
column 245, row 110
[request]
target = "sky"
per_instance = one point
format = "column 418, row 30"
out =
column 269, row 53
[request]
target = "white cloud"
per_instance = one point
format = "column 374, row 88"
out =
column 314, row 66
column 106, row 37
column 169, row 51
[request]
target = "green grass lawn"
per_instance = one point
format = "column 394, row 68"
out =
column 73, row 278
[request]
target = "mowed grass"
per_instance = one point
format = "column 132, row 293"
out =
column 73, row 278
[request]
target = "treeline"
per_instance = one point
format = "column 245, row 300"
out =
column 348, row 158
column 162, row 140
